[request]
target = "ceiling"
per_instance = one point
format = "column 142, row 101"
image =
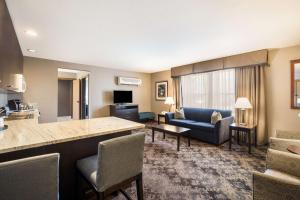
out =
column 152, row 35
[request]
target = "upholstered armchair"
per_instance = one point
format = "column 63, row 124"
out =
column 281, row 180
column 283, row 139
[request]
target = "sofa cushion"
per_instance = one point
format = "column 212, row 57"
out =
column 181, row 122
column 179, row 114
column 215, row 117
column 193, row 124
column 202, row 126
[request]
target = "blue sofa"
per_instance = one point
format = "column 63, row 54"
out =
column 198, row 120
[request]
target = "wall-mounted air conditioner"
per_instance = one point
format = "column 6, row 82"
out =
column 129, row 81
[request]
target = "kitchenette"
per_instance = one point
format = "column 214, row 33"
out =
column 12, row 106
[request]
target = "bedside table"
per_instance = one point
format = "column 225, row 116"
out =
column 160, row 116
column 248, row 129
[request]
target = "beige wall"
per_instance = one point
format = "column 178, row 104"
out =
column 42, row 84
column 280, row 115
column 158, row 106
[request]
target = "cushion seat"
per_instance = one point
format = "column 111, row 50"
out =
column 181, row 122
column 202, row 126
column 88, row 167
column 193, row 124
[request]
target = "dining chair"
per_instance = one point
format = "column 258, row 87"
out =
column 119, row 162
column 30, row 178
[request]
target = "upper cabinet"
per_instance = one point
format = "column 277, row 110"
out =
column 11, row 58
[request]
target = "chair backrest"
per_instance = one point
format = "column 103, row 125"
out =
column 294, row 135
column 119, row 159
column 203, row 114
column 30, row 178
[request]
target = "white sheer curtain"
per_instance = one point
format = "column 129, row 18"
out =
column 209, row 90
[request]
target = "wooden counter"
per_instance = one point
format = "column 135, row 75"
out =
column 73, row 139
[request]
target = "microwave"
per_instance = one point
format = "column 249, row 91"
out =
column 17, row 83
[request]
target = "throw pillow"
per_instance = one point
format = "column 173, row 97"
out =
column 179, row 114
column 215, row 117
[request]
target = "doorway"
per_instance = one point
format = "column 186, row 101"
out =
column 73, row 94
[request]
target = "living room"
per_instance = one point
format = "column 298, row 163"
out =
column 179, row 100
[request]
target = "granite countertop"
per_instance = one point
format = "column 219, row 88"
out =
column 27, row 133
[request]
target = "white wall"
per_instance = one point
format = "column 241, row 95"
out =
column 278, row 88
column 42, row 84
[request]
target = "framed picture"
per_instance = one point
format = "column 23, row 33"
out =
column 161, row 90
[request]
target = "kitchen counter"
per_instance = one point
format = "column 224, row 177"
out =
column 27, row 133
column 73, row 140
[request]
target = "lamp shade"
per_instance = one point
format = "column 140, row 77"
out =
column 169, row 101
column 243, row 103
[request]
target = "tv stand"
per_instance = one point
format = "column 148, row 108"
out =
column 125, row 111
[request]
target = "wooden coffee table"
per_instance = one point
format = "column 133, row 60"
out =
column 172, row 130
column 294, row 149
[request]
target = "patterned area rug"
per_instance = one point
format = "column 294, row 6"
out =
column 201, row 171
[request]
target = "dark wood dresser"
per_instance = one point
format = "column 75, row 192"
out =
column 129, row 111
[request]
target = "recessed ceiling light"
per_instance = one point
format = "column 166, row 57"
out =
column 31, row 50
column 31, row 33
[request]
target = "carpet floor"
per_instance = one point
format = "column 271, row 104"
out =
column 201, row 171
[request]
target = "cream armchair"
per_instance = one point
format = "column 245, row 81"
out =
column 281, row 180
column 283, row 139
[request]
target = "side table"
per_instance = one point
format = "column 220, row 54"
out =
column 160, row 116
column 248, row 129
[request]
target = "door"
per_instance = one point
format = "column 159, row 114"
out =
column 84, row 106
column 76, row 99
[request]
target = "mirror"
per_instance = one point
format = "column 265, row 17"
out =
column 295, row 84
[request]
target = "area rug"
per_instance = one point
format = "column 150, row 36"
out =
column 201, row 171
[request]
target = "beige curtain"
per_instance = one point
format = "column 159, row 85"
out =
column 177, row 93
column 250, row 83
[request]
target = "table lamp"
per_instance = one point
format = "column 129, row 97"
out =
column 242, row 103
column 169, row 101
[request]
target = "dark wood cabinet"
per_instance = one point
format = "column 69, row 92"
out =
column 11, row 57
column 130, row 112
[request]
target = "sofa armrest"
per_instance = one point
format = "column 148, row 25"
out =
column 288, row 134
column 222, row 128
column 270, row 187
column 282, row 144
column 284, row 162
column 169, row 116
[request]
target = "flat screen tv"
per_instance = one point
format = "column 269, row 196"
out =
column 121, row 96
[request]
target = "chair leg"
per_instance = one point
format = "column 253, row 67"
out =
column 139, row 187
column 100, row 195
column 125, row 194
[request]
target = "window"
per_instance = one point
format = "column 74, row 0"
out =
column 209, row 90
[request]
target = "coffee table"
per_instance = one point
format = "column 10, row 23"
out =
column 172, row 130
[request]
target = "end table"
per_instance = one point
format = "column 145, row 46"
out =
column 160, row 116
column 248, row 129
